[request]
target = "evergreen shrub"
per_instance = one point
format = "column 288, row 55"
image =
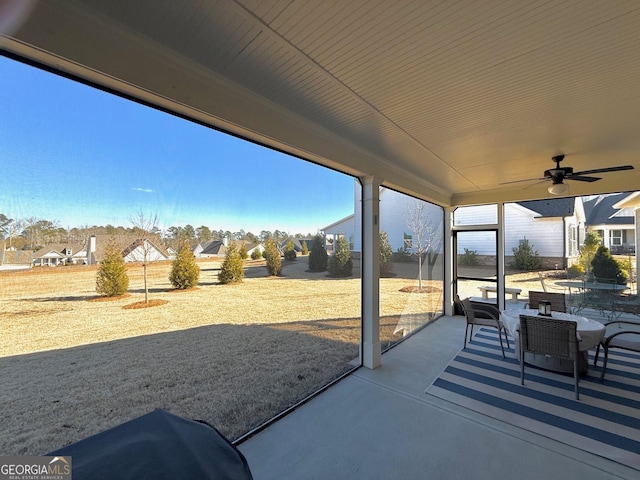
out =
column 525, row 257
column 606, row 268
column 185, row 272
column 272, row 255
column 112, row 279
column 318, row 257
column 340, row 263
column 232, row 270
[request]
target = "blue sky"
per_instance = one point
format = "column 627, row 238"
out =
column 79, row 156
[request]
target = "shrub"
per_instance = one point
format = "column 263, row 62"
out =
column 606, row 269
column 290, row 251
column 185, row 272
column 112, row 279
column 525, row 257
column 305, row 248
column 232, row 270
column 340, row 263
column 318, row 257
column 386, row 254
column 469, row 258
column 592, row 241
column 272, row 255
column 575, row 271
column 256, row 254
column 243, row 252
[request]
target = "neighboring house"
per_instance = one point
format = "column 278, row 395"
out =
column 554, row 227
column 59, row 254
column 218, row 248
column 14, row 259
column 615, row 225
column 394, row 211
column 297, row 244
column 143, row 250
column 133, row 249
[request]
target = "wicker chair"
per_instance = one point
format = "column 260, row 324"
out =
column 474, row 318
column 549, row 336
column 557, row 300
column 630, row 341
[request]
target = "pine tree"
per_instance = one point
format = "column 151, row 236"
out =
column 272, row 255
column 386, row 254
column 243, row 252
column 232, row 270
column 318, row 257
column 112, row 279
column 340, row 263
column 185, row 272
column 305, row 248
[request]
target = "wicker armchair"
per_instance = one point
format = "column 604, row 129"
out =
column 474, row 319
column 630, row 341
column 558, row 303
column 549, row 336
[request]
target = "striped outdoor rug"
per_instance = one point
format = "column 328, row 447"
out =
column 605, row 421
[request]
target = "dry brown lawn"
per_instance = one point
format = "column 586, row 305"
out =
column 233, row 355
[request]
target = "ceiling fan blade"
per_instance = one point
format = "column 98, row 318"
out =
column 526, row 180
column 582, row 178
column 603, row 170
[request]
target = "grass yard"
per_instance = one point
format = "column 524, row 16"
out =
column 233, row 355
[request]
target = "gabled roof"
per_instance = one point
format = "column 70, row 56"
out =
column 601, row 210
column 214, row 248
column 551, row 207
column 58, row 249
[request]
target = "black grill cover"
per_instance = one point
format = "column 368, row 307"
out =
column 158, row 446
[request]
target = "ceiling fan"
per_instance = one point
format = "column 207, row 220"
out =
column 558, row 174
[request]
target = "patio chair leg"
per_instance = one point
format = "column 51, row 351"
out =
column 595, row 360
column 576, row 377
column 501, row 346
column 466, row 331
column 604, row 364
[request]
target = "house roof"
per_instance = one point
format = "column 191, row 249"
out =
column 58, row 248
column 213, row 248
column 551, row 207
column 601, row 210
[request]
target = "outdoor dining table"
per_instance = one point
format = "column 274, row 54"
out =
column 601, row 296
column 590, row 334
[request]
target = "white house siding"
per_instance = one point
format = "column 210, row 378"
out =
column 394, row 210
column 546, row 235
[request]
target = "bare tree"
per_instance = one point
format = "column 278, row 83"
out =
column 9, row 228
column 144, row 227
column 426, row 236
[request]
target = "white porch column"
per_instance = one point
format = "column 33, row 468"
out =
column 500, row 256
column 370, row 276
column 449, row 255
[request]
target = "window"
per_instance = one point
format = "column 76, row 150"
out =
column 615, row 237
column 573, row 241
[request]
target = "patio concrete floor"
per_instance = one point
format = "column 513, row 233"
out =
column 379, row 424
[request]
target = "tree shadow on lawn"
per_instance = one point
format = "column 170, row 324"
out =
column 234, row 377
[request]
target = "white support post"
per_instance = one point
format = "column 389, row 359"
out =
column 500, row 257
column 370, row 258
column 449, row 255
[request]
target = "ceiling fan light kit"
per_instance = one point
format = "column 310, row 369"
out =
column 558, row 188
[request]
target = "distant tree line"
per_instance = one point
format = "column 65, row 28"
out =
column 34, row 233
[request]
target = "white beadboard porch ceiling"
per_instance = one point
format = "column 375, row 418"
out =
column 441, row 99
